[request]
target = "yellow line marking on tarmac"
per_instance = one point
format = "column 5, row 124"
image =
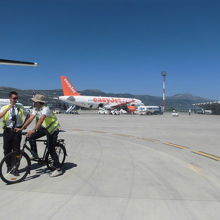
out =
column 123, row 135
column 207, row 155
column 196, row 169
column 175, row 145
column 99, row 131
column 150, row 139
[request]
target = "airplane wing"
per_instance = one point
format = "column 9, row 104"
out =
column 17, row 63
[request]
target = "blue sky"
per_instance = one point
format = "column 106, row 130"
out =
column 114, row 45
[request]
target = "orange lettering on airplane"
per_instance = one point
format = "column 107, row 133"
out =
column 112, row 100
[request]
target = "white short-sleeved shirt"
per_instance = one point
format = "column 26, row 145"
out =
column 10, row 123
column 45, row 110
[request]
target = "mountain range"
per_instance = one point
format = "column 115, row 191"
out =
column 178, row 101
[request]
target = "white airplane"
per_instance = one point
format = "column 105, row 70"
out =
column 4, row 102
column 71, row 96
column 7, row 102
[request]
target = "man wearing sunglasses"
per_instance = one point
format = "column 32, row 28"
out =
column 12, row 115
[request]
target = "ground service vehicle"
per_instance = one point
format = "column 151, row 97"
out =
column 103, row 111
column 148, row 110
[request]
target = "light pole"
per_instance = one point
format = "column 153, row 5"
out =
column 164, row 74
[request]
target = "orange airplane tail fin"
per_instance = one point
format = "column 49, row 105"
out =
column 68, row 88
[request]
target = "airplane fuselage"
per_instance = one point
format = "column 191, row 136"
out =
column 73, row 97
column 4, row 102
column 95, row 102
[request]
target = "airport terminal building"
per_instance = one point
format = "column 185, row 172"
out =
column 213, row 106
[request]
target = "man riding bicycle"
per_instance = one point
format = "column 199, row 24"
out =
column 46, row 125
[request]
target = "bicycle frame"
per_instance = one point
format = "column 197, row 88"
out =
column 16, row 173
column 25, row 146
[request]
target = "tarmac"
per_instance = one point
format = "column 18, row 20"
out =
column 125, row 167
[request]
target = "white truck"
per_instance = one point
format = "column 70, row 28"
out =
column 103, row 111
column 148, row 110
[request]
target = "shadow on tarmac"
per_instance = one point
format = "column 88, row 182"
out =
column 68, row 166
column 40, row 169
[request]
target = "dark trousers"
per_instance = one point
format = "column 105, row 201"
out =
column 51, row 143
column 11, row 142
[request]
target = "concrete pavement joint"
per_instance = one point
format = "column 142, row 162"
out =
column 86, row 181
column 132, row 183
column 115, row 197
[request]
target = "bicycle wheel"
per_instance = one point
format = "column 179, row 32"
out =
column 14, row 167
column 61, row 153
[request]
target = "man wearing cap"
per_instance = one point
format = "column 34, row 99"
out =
column 12, row 115
column 46, row 124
